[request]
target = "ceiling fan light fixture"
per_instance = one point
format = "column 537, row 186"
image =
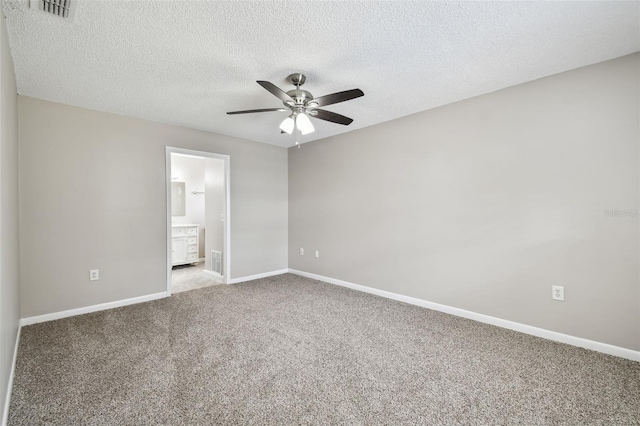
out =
column 301, row 104
column 304, row 124
column 287, row 125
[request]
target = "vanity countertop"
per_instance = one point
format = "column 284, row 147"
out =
column 183, row 224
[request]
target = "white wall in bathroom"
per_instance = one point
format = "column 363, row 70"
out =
column 190, row 170
column 215, row 207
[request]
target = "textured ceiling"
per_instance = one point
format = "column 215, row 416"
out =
column 188, row 62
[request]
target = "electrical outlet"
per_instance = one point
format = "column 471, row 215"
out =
column 557, row 292
column 301, row 252
column 317, row 253
column 94, row 275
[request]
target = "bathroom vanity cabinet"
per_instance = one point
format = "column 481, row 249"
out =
column 184, row 244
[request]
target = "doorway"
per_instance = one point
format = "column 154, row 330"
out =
column 198, row 228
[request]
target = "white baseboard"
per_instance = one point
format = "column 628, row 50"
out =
column 7, row 400
column 523, row 328
column 258, row 276
column 92, row 308
column 212, row 275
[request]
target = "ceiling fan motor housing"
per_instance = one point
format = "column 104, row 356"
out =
column 300, row 96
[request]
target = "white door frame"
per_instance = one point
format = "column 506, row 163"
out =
column 227, row 201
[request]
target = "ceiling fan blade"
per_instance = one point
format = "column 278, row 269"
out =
column 332, row 116
column 334, row 98
column 275, row 90
column 250, row 111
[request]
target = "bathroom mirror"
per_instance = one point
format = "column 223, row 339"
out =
column 177, row 199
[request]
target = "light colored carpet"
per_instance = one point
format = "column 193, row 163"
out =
column 189, row 277
column 290, row 350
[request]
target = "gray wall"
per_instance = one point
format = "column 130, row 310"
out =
column 92, row 195
column 9, row 260
column 486, row 203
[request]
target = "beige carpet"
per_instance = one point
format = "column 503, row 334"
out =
column 290, row 350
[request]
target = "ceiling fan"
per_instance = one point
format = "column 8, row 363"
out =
column 303, row 105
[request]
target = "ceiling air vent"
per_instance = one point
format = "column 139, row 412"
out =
column 63, row 8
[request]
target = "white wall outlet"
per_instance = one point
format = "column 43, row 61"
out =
column 557, row 292
column 94, row 275
column 301, row 252
column 317, row 253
